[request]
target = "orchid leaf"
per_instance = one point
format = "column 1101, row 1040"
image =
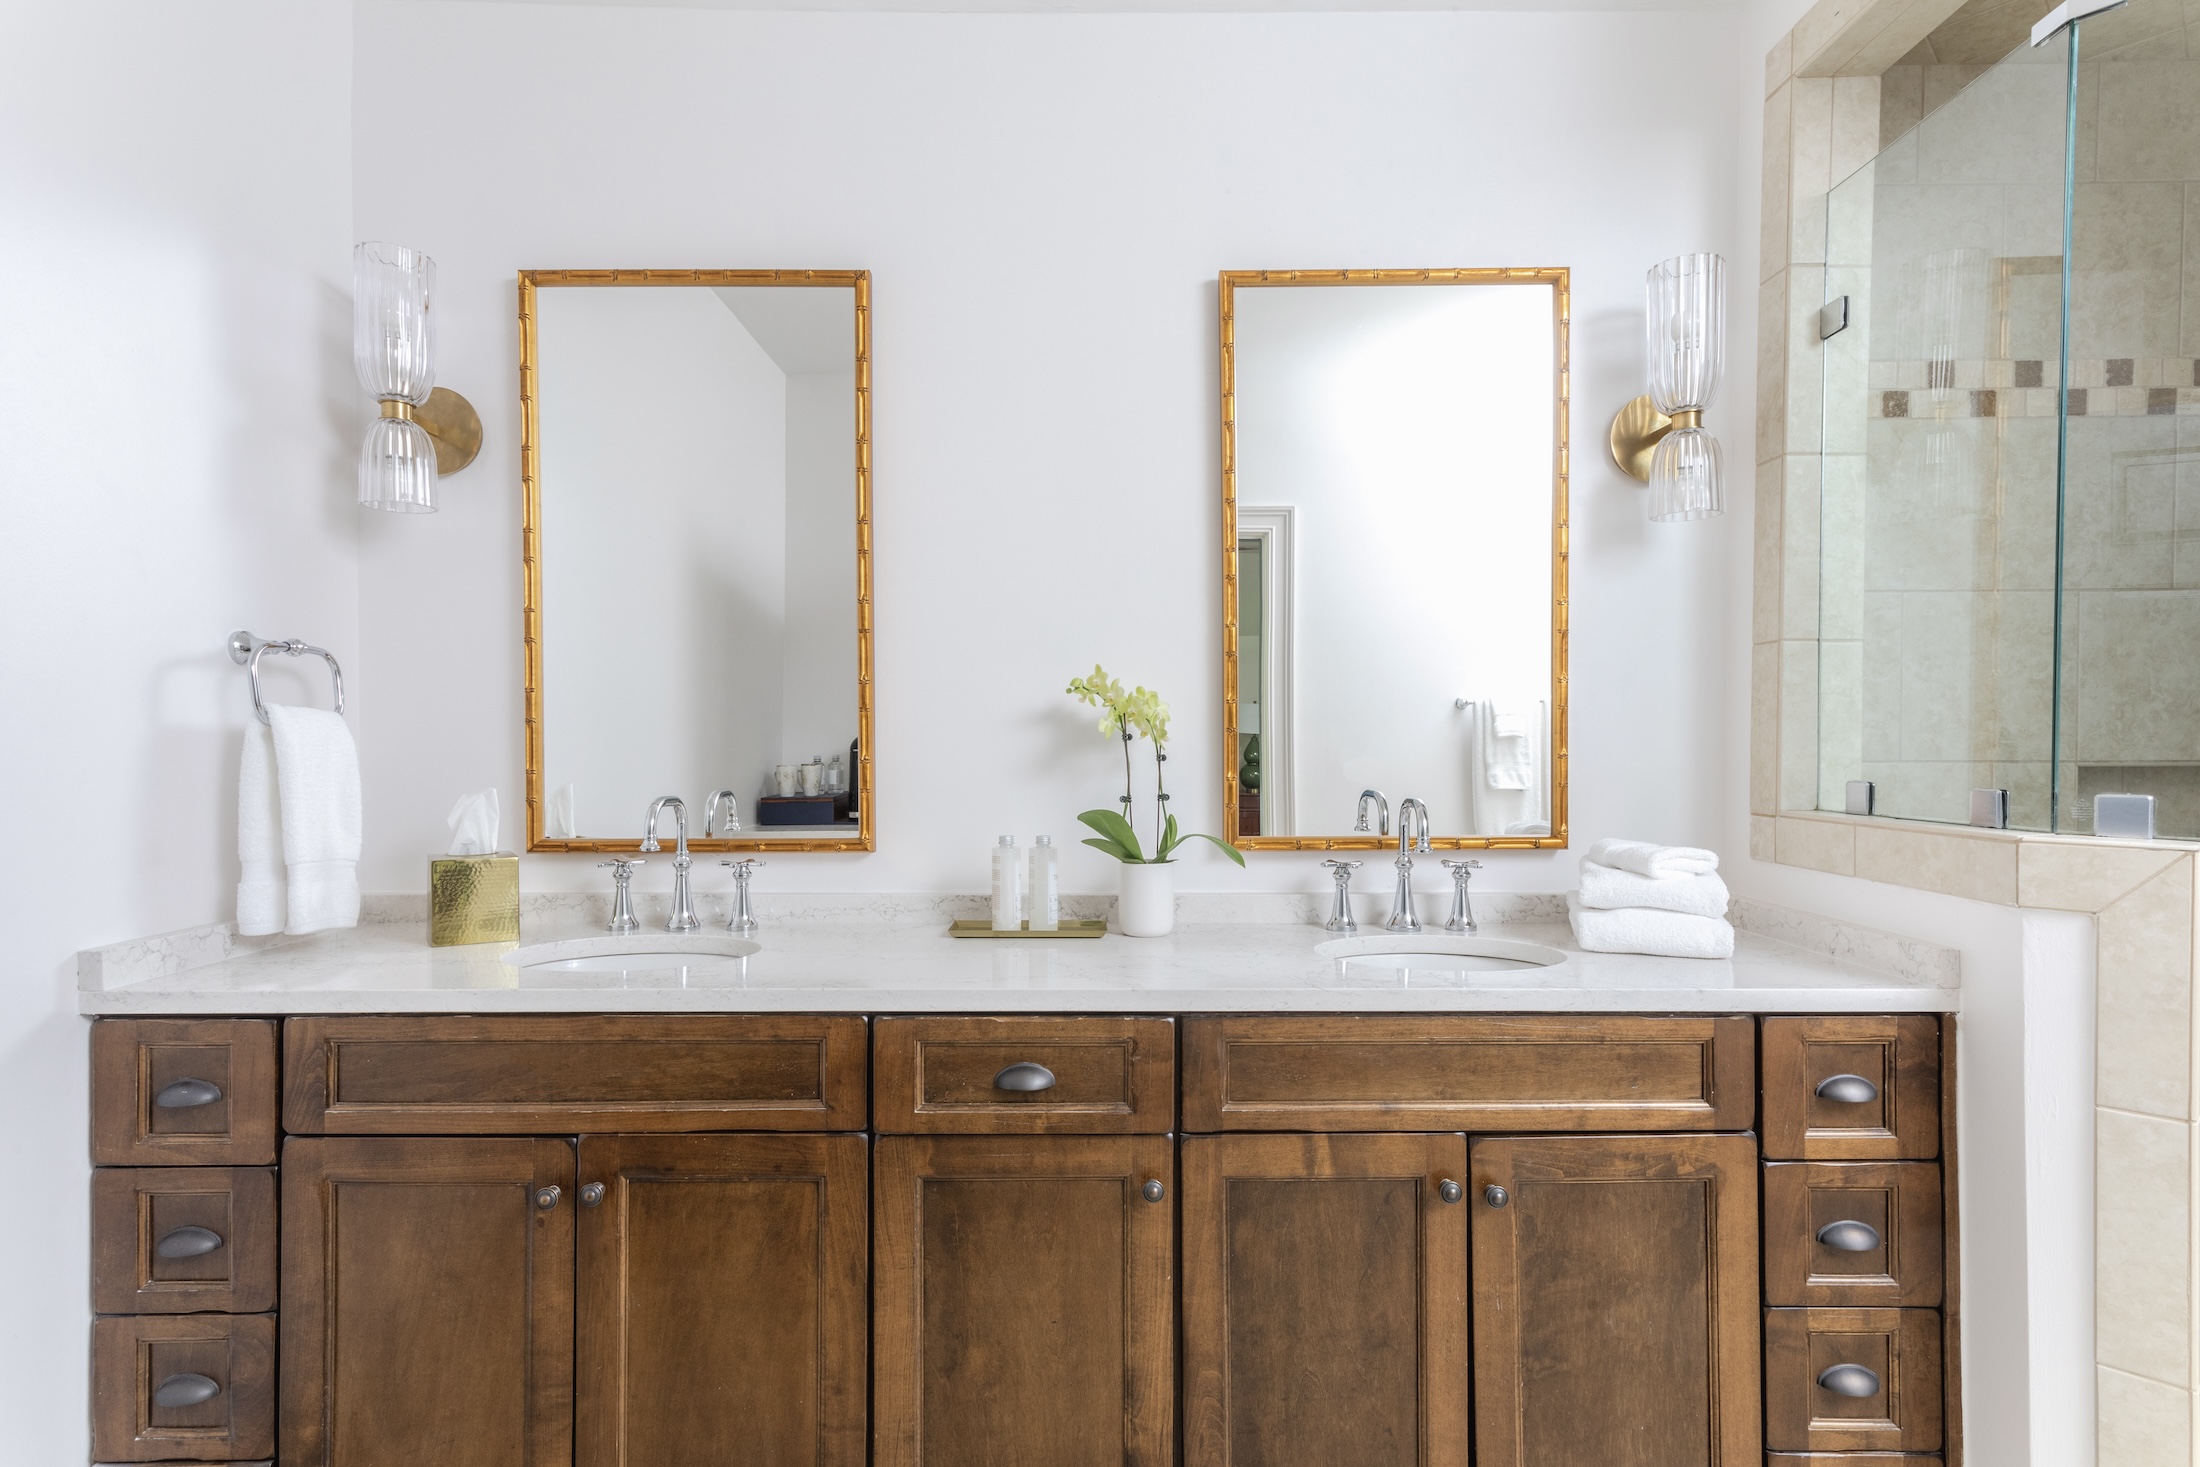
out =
column 1112, row 849
column 1227, row 849
column 1113, row 826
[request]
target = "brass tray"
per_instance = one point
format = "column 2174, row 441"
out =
column 981, row 927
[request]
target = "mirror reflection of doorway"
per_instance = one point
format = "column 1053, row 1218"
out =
column 1266, row 543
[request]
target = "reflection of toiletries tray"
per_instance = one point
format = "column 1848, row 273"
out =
column 473, row 899
column 980, row 927
column 801, row 809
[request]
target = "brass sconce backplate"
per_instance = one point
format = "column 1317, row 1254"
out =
column 1636, row 429
column 455, row 428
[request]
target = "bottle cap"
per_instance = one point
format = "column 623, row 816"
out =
column 1042, row 840
column 1008, row 840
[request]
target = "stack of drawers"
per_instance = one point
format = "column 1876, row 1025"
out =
column 183, row 1240
column 1855, row 1265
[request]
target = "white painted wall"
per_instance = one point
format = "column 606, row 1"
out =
column 180, row 415
column 1044, row 202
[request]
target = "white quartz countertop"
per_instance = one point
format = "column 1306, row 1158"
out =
column 903, row 966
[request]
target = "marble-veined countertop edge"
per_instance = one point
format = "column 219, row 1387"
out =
column 892, row 955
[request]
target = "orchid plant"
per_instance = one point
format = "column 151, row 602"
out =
column 1139, row 713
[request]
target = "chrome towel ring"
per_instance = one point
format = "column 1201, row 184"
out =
column 246, row 650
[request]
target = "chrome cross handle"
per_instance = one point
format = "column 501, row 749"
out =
column 1462, row 906
column 742, row 920
column 622, row 899
column 1340, row 912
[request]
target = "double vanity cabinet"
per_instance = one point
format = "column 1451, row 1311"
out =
column 1272, row 1241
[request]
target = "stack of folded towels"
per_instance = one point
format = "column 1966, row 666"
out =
column 1667, row 901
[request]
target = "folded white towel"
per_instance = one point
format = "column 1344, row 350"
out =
column 1643, row 930
column 1660, row 862
column 1608, row 886
column 261, row 897
column 317, row 775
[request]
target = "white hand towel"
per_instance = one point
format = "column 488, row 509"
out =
column 1643, row 930
column 1509, row 758
column 317, row 773
column 1608, row 886
column 1660, row 862
column 261, row 894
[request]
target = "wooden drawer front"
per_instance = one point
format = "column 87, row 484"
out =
column 1469, row 1074
column 1901, row 1349
column 1897, row 1058
column 528, row 1076
column 1109, row 1076
column 183, row 1092
column 183, row 1240
column 133, row 1359
column 1849, row 1459
column 1811, row 1258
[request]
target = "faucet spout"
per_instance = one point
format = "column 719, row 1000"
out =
column 732, row 804
column 683, row 908
column 1383, row 812
column 1412, row 837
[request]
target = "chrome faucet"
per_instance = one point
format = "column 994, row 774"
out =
column 1412, row 827
column 1462, row 907
column 742, row 920
column 1382, row 805
column 1340, row 915
column 622, row 896
column 733, row 812
column 683, row 911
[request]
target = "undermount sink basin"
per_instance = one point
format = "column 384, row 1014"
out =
column 1435, row 958
column 647, row 957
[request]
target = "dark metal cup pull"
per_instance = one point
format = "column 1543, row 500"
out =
column 187, row 1094
column 1025, row 1077
column 185, row 1390
column 1848, row 1089
column 188, row 1243
column 1853, row 1381
column 1850, row 1236
column 1153, row 1191
column 1495, row 1195
column 1450, row 1190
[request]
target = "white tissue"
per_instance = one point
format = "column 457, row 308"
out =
column 564, row 824
column 473, row 822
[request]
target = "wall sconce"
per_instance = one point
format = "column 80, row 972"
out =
column 424, row 430
column 1659, row 437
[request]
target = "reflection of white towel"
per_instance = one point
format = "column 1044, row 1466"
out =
column 1508, row 748
column 1645, row 859
column 1608, row 886
column 261, row 895
column 1642, row 930
column 317, row 777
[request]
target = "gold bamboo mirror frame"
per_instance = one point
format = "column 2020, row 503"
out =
column 1259, row 536
column 760, row 329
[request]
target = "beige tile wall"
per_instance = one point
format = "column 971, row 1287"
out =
column 1820, row 125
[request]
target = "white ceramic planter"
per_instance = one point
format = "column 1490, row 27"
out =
column 1146, row 905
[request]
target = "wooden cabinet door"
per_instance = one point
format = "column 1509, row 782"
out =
column 427, row 1308
column 1021, row 1302
column 1615, row 1301
column 722, row 1309
column 1325, row 1301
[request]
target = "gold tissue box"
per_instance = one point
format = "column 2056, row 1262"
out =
column 473, row 899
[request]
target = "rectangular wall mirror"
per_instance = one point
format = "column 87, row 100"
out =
column 1394, row 533
column 695, row 466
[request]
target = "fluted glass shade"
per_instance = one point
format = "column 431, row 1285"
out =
column 393, row 348
column 1685, row 482
column 1687, row 332
column 397, row 467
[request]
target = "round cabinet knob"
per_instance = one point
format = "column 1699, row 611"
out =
column 185, row 1390
column 1853, row 1381
column 591, row 1194
column 547, row 1197
column 188, row 1243
column 1153, row 1191
column 1850, row 1236
column 1495, row 1195
column 1450, row 1190
column 1026, row 1077
column 187, row 1094
column 1847, row 1089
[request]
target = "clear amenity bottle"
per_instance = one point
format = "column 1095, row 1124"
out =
column 1008, row 886
column 1042, row 887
